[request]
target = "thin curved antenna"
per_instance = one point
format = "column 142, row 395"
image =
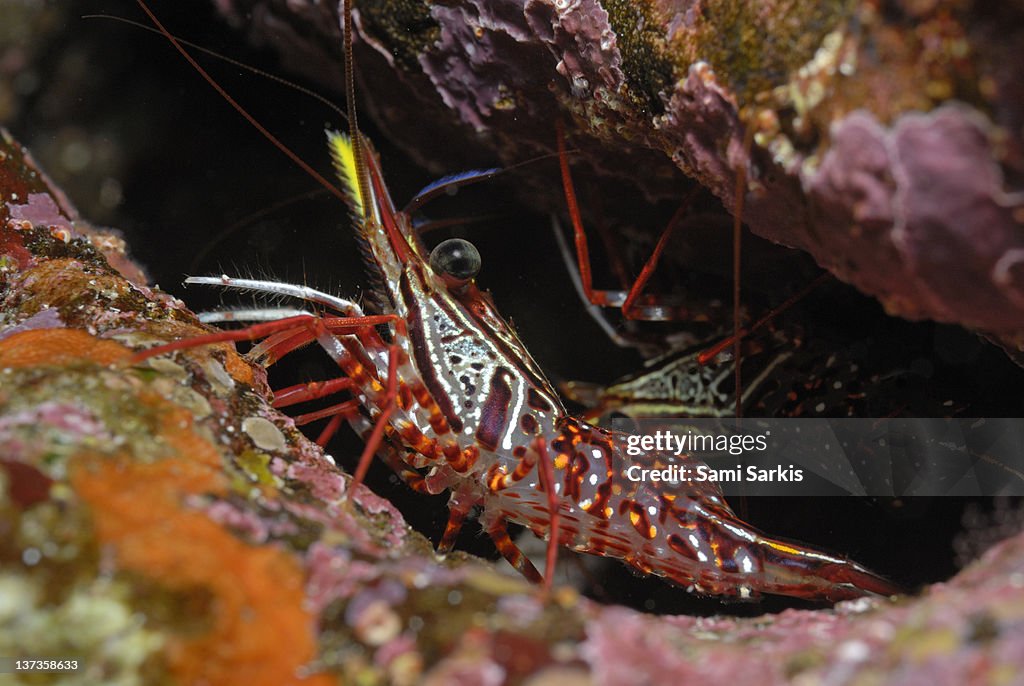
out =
column 247, row 220
column 241, row 110
column 308, row 92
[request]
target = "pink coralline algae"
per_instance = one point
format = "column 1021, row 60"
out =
column 39, row 208
column 909, row 643
column 334, row 576
column 48, row 318
column 920, row 216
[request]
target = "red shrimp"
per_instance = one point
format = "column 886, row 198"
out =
column 451, row 399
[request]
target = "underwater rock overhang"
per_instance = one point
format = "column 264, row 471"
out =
column 888, row 144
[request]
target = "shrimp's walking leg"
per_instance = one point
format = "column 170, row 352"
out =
column 649, row 307
column 459, row 505
column 293, row 332
column 332, row 428
column 312, row 390
column 547, row 480
column 499, row 534
column 537, row 456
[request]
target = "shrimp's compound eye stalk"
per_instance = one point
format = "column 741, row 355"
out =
column 456, row 260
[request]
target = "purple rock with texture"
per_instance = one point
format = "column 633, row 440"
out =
column 920, row 217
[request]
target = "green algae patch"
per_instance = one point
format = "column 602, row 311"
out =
column 405, row 26
column 256, row 465
column 79, row 407
column 754, row 47
column 648, row 68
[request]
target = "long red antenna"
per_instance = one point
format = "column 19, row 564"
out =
column 241, row 110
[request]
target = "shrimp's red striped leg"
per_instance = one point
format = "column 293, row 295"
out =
column 312, row 390
column 326, row 332
column 294, row 332
column 249, row 333
column 503, row 542
column 332, row 428
column 498, row 480
column 389, row 454
column 459, row 505
column 347, row 409
column 287, row 341
column 350, row 353
column 630, row 309
column 290, row 325
column 633, row 302
column 337, row 413
column 390, row 398
column 547, row 480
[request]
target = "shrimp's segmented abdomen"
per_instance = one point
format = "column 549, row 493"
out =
column 682, row 531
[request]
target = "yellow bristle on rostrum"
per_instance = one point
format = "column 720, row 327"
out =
column 344, row 158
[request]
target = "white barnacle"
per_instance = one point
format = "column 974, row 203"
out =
column 264, row 434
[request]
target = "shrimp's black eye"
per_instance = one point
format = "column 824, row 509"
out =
column 456, row 258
